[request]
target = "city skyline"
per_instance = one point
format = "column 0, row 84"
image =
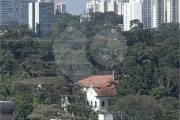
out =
column 76, row 7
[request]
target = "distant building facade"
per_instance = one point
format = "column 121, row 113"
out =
column 112, row 6
column 60, row 8
column 147, row 13
column 85, row 17
column 132, row 10
column 171, row 10
column 7, row 110
column 14, row 11
column 41, row 17
column 7, row 9
column 92, row 6
column 103, row 6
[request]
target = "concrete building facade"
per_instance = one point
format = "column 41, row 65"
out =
column 14, row 11
column 7, row 110
column 92, row 6
column 103, row 6
column 60, row 8
column 112, row 6
column 171, row 10
column 132, row 10
column 41, row 17
column 147, row 13
column 21, row 11
column 7, row 13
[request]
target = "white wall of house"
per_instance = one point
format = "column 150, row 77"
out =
column 98, row 103
column 105, row 117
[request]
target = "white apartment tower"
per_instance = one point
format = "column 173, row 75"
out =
column 164, row 11
column 41, row 17
column 92, row 6
column 171, row 10
column 119, row 8
column 103, row 6
column 112, row 6
column 132, row 10
column 115, row 6
column 61, row 8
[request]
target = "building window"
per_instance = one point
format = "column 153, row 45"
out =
column 91, row 103
column 95, row 104
column 103, row 104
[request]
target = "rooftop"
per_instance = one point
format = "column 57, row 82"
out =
column 103, row 82
column 95, row 81
column 7, row 105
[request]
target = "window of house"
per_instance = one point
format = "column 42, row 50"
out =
column 91, row 103
column 102, row 104
column 95, row 104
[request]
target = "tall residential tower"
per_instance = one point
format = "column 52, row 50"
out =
column 60, row 8
column 7, row 14
column 41, row 17
column 132, row 10
column 14, row 11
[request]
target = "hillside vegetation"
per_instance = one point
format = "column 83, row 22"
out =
column 146, row 63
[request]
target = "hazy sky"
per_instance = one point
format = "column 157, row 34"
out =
column 75, row 6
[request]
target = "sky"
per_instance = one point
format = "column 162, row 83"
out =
column 76, row 7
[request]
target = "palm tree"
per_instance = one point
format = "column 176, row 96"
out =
column 24, row 70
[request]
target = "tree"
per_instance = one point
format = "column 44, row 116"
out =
column 136, row 107
column 171, row 108
column 6, row 88
column 7, row 61
column 136, row 25
column 24, row 102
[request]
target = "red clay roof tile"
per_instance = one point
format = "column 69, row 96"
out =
column 102, row 82
column 95, row 81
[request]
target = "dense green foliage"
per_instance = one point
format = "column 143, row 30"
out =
column 146, row 63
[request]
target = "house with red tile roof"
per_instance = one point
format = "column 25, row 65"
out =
column 98, row 89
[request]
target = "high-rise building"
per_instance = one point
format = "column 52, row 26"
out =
column 132, row 10
column 120, row 8
column 92, row 6
column 103, row 6
column 60, row 8
column 7, row 13
column 171, row 10
column 147, row 13
column 14, row 10
column 112, row 6
column 158, row 12
column 21, row 11
column 41, row 17
column 178, row 11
